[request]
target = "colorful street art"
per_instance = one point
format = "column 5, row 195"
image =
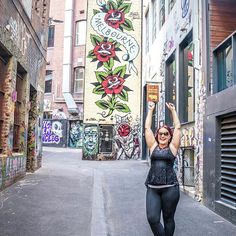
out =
column 114, row 58
column 31, row 147
column 188, row 137
column 15, row 167
column 54, row 133
column 127, row 138
column 75, row 134
column 90, row 142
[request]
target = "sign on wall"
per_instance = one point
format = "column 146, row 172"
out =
column 54, row 133
column 152, row 92
column 113, row 60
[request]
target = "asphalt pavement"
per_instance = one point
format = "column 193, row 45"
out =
column 73, row 197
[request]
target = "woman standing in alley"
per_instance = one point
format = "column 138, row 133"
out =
column 162, row 184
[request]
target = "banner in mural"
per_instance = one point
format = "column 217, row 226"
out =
column 113, row 62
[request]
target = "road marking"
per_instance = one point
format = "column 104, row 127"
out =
column 98, row 223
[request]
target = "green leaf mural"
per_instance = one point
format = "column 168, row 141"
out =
column 102, row 104
column 122, row 107
column 125, row 7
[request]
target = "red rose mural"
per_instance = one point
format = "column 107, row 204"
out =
column 115, row 18
column 124, row 130
column 111, row 80
column 104, row 51
column 113, row 84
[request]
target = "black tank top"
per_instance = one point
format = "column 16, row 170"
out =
column 161, row 171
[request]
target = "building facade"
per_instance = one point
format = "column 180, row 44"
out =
column 219, row 165
column 189, row 52
column 63, row 100
column 23, row 38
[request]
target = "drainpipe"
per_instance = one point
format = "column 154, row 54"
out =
column 67, row 57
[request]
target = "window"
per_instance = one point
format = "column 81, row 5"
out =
column 170, row 86
column 224, row 61
column 2, row 74
column 147, row 31
column 154, row 19
column 51, row 31
column 18, row 113
column 80, row 33
column 171, row 5
column 186, row 88
column 48, row 81
column 162, row 13
column 78, row 79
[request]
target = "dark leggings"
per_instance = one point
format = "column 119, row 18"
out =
column 165, row 200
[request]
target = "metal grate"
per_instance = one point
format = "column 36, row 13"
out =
column 228, row 159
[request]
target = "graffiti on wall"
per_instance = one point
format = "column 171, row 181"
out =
column 127, row 138
column 32, row 144
column 198, row 164
column 15, row 167
column 75, row 134
column 90, row 142
column 19, row 33
column 54, row 132
column 188, row 137
column 114, row 51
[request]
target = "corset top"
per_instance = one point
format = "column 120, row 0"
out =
column 161, row 171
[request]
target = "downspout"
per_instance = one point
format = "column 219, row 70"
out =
column 67, row 56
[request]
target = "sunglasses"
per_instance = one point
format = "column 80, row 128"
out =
column 163, row 133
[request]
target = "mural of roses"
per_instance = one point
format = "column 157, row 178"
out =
column 115, row 14
column 113, row 84
column 110, row 84
column 104, row 51
column 111, row 80
column 115, row 18
column 124, row 130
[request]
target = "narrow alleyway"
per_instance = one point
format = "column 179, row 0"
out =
column 71, row 197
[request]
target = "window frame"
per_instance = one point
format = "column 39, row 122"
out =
column 51, row 40
column 79, row 42
column 183, row 86
column 217, row 82
column 50, row 73
column 169, row 87
column 78, row 80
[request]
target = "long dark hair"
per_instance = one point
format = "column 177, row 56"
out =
column 169, row 130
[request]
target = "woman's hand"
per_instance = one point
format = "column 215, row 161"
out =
column 151, row 106
column 170, row 106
